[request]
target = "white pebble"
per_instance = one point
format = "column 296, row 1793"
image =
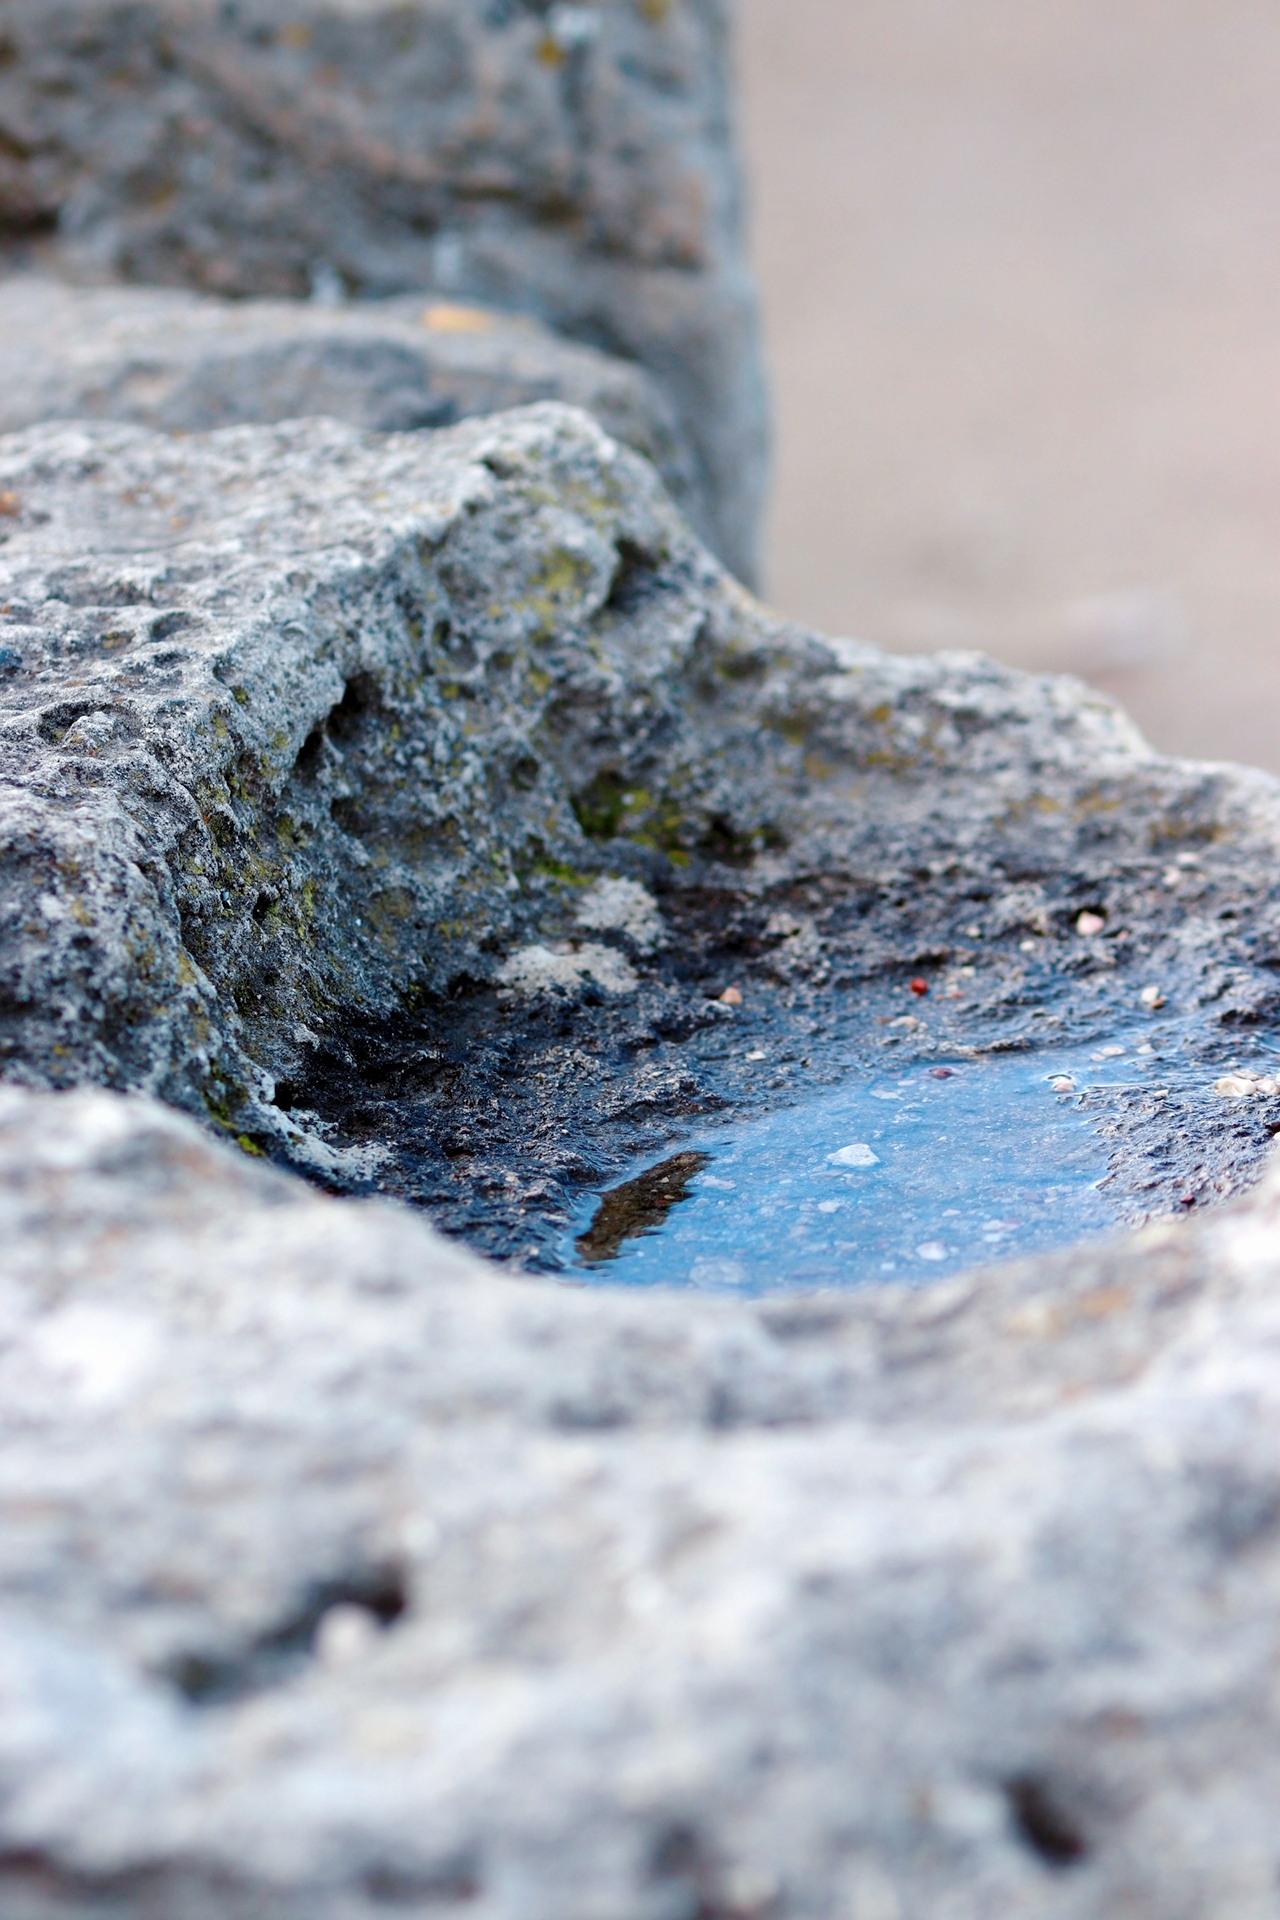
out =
column 932, row 1250
column 857, row 1155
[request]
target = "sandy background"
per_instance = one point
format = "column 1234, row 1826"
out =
column 1021, row 264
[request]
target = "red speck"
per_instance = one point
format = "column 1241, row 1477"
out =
column 919, row 986
column 940, row 1073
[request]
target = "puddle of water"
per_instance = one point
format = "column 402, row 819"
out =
column 903, row 1177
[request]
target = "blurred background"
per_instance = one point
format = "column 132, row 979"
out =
column 1021, row 270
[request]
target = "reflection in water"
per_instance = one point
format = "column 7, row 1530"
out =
column 639, row 1207
column 894, row 1176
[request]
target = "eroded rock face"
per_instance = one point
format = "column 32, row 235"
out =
column 572, row 162
column 405, row 805
column 185, row 363
column 338, row 1572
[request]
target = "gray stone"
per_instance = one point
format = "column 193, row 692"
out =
column 316, row 747
column 181, row 362
column 573, row 162
column 339, row 1573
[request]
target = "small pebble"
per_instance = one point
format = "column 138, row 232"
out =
column 857, row 1155
column 731, row 997
column 940, row 1073
column 919, row 986
column 1152, row 998
column 1026, row 946
column 830, row 1206
column 1245, row 1086
column 932, row 1250
column 1090, row 923
column 756, row 1054
column 1063, row 1083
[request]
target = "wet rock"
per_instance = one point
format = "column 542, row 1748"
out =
column 182, row 362
column 339, row 1572
column 402, row 805
column 572, row 162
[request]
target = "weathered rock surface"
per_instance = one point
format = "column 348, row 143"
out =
column 573, row 162
column 339, row 1574
column 316, row 747
column 181, row 362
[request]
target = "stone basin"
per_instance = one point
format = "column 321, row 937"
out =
column 432, row 817
column 432, row 814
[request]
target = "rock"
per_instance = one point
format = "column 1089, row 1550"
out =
column 339, row 1572
column 571, row 162
column 182, row 362
column 336, row 769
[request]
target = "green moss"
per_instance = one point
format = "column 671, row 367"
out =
column 560, row 871
column 223, row 1099
column 602, row 805
column 387, row 911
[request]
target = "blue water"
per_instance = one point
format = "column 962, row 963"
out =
column 898, row 1177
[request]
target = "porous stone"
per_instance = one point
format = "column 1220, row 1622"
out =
column 340, row 1573
column 187, row 363
column 572, row 162
column 329, row 762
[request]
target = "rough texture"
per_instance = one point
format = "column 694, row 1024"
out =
column 890, row 1607
column 181, row 362
column 315, row 748
column 573, row 162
